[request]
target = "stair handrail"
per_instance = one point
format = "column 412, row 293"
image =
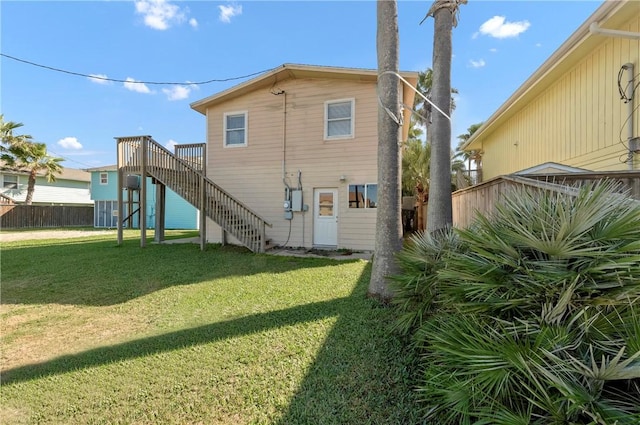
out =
column 129, row 164
column 188, row 166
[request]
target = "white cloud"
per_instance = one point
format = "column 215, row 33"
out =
column 179, row 92
column 229, row 11
column 538, row 44
column 135, row 86
column 477, row 64
column 160, row 14
column 498, row 27
column 493, row 50
column 70, row 143
column 171, row 145
column 193, row 22
column 98, row 79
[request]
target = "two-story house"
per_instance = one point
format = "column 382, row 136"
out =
column 298, row 145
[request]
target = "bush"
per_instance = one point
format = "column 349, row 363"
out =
column 530, row 315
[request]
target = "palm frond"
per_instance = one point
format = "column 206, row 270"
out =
column 531, row 314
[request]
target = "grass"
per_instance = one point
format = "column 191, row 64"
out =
column 97, row 333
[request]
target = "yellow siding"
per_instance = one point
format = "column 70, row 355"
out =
column 577, row 120
column 253, row 174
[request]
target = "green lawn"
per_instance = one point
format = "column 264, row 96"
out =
column 97, row 333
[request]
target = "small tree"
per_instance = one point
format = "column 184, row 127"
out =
column 422, row 107
column 465, row 155
column 20, row 153
column 416, row 155
column 8, row 139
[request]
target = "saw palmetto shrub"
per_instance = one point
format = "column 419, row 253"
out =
column 530, row 315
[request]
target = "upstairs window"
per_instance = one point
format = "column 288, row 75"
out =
column 235, row 129
column 10, row 182
column 104, row 178
column 363, row 196
column 338, row 119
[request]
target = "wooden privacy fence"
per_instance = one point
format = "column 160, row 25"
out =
column 36, row 216
column 483, row 197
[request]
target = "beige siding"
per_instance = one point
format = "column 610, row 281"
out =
column 254, row 173
column 576, row 120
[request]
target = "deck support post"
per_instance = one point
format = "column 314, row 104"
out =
column 143, row 191
column 203, row 213
column 120, row 185
column 161, row 195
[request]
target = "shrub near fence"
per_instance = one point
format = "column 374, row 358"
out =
column 26, row 216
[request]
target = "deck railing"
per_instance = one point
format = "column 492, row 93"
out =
column 142, row 155
column 194, row 154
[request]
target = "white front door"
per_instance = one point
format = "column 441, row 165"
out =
column 325, row 217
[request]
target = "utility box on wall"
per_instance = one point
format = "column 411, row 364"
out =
column 296, row 200
column 133, row 182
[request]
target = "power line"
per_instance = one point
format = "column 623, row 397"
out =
column 68, row 159
column 116, row 80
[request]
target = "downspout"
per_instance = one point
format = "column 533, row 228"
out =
column 300, row 189
column 595, row 29
column 284, row 139
column 630, row 126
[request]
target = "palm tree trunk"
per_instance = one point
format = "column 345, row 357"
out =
column 388, row 239
column 31, row 185
column 439, row 210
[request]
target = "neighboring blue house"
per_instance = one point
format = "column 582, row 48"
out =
column 71, row 187
column 104, row 192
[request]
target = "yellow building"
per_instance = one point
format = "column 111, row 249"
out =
column 579, row 110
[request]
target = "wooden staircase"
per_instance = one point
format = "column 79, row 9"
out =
column 141, row 155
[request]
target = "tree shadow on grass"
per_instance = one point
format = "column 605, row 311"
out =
column 359, row 375
column 178, row 340
column 101, row 273
column 362, row 373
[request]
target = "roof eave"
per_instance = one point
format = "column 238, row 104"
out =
column 291, row 71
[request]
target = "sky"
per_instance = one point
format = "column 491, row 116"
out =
column 497, row 45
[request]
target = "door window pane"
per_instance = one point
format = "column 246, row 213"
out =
column 325, row 204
